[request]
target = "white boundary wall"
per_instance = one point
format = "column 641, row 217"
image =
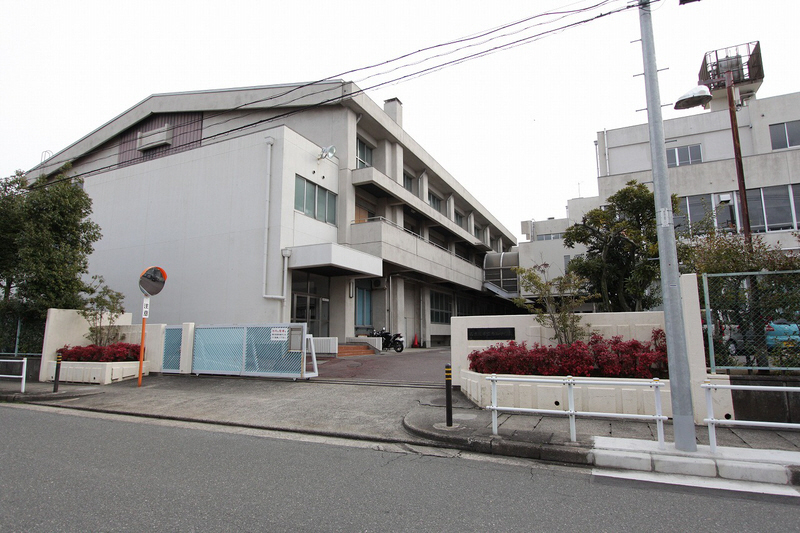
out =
column 633, row 400
column 68, row 327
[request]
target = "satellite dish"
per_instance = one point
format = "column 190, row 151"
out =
column 328, row 152
column 699, row 96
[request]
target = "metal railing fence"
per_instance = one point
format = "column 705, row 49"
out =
column 571, row 412
column 714, row 422
column 24, row 362
column 750, row 320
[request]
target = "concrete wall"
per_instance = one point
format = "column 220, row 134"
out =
column 66, row 327
column 629, row 325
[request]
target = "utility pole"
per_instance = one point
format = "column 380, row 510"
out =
column 678, row 360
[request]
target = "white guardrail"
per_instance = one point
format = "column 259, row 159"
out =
column 714, row 422
column 24, row 362
column 570, row 382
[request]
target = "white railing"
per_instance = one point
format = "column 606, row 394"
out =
column 24, row 362
column 714, row 422
column 570, row 382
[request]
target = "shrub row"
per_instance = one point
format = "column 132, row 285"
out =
column 600, row 357
column 120, row 351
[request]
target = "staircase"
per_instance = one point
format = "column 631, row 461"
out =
column 348, row 350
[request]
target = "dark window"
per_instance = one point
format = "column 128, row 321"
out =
column 408, row 181
column 363, row 154
column 435, row 202
column 778, row 208
column 755, row 210
column 314, row 201
column 785, row 134
column 684, row 155
column 441, row 307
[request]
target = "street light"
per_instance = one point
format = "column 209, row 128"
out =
column 677, row 353
column 700, row 96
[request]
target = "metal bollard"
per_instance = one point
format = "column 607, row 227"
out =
column 448, row 381
column 58, row 373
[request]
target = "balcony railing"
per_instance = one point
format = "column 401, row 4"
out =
column 413, row 234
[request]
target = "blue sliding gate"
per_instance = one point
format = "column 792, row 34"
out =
column 273, row 350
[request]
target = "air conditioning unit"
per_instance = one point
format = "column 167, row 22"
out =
column 379, row 283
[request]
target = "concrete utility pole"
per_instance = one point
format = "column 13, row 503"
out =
column 678, row 360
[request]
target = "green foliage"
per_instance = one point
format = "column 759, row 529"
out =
column 555, row 301
column 12, row 213
column 622, row 249
column 103, row 308
column 717, row 252
column 45, row 240
column 55, row 243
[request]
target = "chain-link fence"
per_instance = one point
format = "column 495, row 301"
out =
column 20, row 336
column 751, row 320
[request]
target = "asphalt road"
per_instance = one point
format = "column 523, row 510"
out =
column 64, row 471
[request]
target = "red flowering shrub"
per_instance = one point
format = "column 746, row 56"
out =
column 600, row 357
column 120, row 351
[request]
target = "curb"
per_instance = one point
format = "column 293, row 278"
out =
column 30, row 397
column 464, row 438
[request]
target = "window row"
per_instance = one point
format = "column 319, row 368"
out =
column 314, row 201
column 684, row 155
column 441, row 307
column 549, row 237
column 775, row 208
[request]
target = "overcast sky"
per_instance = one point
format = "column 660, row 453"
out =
column 516, row 127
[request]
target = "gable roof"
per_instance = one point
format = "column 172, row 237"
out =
column 261, row 97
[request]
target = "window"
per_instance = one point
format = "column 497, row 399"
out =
column 408, row 182
column 478, row 231
column 684, row 155
column 363, row 303
column 770, row 209
column 435, row 202
column 549, row 237
column 437, row 239
column 441, row 307
column 460, row 220
column 785, row 134
column 363, row 154
column 778, row 208
column 314, row 201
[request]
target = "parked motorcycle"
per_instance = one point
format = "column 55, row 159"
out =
column 396, row 341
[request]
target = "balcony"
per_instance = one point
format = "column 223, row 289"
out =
column 379, row 184
column 396, row 245
column 743, row 61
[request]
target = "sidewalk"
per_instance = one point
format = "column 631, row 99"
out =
column 386, row 413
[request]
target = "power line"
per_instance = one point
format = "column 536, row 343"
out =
column 396, row 80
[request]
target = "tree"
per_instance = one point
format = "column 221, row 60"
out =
column 45, row 241
column 13, row 216
column 762, row 285
column 622, row 250
column 555, row 301
column 103, row 308
column 55, row 244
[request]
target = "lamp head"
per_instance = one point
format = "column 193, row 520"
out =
column 698, row 96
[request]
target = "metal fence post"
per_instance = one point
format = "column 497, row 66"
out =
column 660, row 422
column 570, row 381
column 448, row 382
column 24, row 373
column 494, row 403
column 712, row 430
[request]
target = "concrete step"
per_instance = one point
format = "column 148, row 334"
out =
column 349, row 350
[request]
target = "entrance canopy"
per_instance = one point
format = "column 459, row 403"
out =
column 332, row 259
